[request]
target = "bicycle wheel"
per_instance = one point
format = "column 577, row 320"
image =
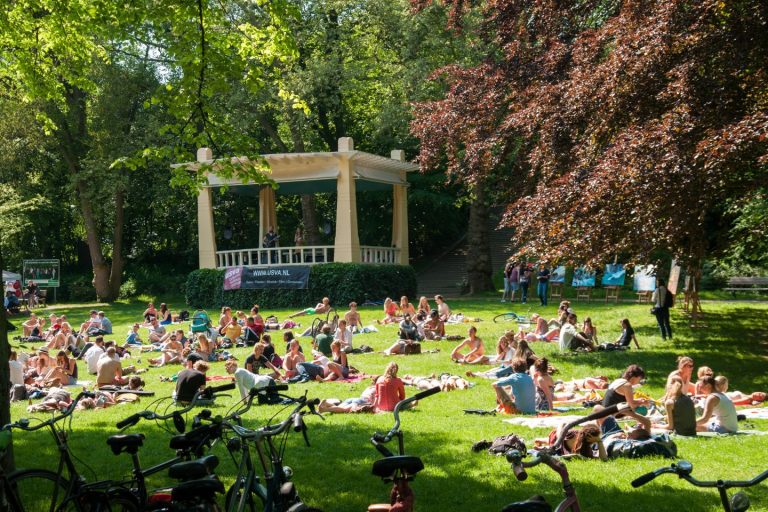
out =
column 37, row 490
column 233, row 498
column 505, row 317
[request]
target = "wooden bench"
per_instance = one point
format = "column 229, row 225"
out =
column 747, row 284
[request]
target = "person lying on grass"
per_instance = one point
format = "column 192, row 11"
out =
column 320, row 308
column 475, row 346
column 446, row 382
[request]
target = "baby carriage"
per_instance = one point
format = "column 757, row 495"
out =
column 201, row 322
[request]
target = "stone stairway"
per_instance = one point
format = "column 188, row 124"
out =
column 448, row 271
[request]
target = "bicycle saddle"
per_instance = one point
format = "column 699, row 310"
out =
column 194, row 469
column 408, row 464
column 533, row 504
column 125, row 442
column 197, row 489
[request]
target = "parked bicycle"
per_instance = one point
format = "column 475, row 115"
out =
column 401, row 468
column 523, row 321
column 265, row 485
column 739, row 502
column 548, row 457
column 67, row 488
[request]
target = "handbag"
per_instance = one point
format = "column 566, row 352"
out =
column 655, row 310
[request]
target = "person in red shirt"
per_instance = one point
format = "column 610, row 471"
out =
column 389, row 390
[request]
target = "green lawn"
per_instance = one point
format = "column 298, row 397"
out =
column 334, row 474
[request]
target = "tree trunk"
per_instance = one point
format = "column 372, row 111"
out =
column 5, row 383
column 308, row 215
column 478, row 252
column 116, row 272
column 105, row 281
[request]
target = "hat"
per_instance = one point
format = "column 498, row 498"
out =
column 44, row 350
column 101, row 313
column 194, row 357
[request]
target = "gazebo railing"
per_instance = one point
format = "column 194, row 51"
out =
column 305, row 255
column 382, row 255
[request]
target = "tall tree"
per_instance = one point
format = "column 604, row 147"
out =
column 628, row 122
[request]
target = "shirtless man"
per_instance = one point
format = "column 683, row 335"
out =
column 683, row 374
column 475, row 345
column 319, row 309
column 353, row 318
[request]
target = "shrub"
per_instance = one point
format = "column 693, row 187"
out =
column 341, row 282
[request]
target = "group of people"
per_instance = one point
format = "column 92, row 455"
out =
column 518, row 276
column 13, row 294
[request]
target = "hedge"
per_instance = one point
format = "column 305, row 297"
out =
column 341, row 282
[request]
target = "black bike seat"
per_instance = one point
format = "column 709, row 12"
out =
column 194, row 469
column 125, row 442
column 192, row 438
column 205, row 487
column 387, row 466
column 533, row 504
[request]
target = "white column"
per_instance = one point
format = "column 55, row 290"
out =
column 206, row 234
column 347, row 244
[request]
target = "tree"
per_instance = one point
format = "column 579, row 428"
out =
column 627, row 123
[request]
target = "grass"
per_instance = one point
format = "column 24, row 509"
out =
column 334, row 474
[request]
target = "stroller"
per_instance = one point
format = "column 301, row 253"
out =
column 201, row 322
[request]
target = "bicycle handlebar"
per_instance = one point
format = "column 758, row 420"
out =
column 274, row 430
column 683, row 470
column 608, row 411
column 203, row 394
column 385, row 438
column 23, row 424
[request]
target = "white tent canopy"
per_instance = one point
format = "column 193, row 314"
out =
column 10, row 276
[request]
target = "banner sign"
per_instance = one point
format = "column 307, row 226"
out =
column 45, row 273
column 614, row 275
column 674, row 277
column 583, row 278
column 295, row 277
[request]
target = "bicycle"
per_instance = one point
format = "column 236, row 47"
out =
column 401, row 468
column 523, row 321
column 548, row 456
column 739, row 502
column 41, row 489
column 276, row 492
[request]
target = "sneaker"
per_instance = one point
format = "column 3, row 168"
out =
column 502, row 300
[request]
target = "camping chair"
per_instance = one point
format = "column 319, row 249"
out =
column 201, row 322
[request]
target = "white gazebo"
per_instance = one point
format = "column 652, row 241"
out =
column 346, row 171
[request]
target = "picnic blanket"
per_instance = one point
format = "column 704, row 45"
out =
column 541, row 421
column 755, row 413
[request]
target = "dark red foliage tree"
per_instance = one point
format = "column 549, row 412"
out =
column 615, row 128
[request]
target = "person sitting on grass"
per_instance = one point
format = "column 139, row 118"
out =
column 190, row 381
column 156, row 331
column 292, row 359
column 134, row 337
column 719, row 412
column 246, row 380
column 170, row 352
column 681, row 412
column 32, row 325
column 589, row 331
column 622, row 391
column 684, row 372
column 257, row 360
column 627, row 335
column 475, row 345
column 406, row 307
column 149, row 314
column 322, row 342
column 251, row 331
column 443, row 311
column 110, row 370
column 504, row 353
column 424, row 307
column 434, row 327
column 523, row 397
column 389, row 390
column 701, row 372
column 204, row 347
column 231, row 331
column 545, row 385
column 63, row 374
column 343, row 335
column 338, row 367
column 63, row 339
column 408, row 329
column 572, row 340
column 352, row 317
column 390, row 312
column 319, row 309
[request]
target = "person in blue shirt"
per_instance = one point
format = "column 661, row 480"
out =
column 523, row 397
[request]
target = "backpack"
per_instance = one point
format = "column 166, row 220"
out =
column 669, row 299
column 503, row 444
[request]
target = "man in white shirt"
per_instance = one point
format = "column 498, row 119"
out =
column 246, row 380
column 570, row 339
column 344, row 336
column 93, row 354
